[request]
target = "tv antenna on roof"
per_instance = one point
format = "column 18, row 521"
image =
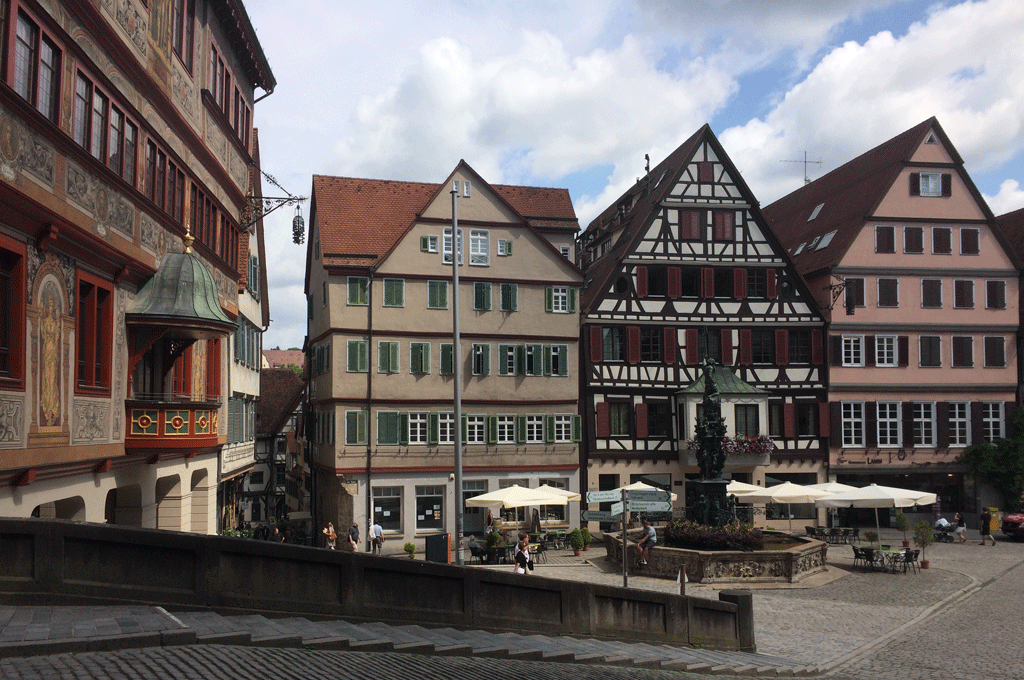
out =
column 807, row 180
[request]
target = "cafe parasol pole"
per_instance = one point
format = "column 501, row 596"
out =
column 456, row 374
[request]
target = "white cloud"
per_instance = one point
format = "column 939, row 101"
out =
column 956, row 66
column 1009, row 198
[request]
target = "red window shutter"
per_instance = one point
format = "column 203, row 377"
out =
column 633, row 344
column 947, row 184
column 789, row 420
column 782, row 347
column 915, row 184
column 640, row 413
column 690, row 226
column 771, row 280
column 641, row 281
column 722, row 223
column 727, row 347
column 604, row 426
column 675, row 282
column 596, row 345
column 817, row 356
column 739, row 283
column 831, row 421
column 705, row 172
column 692, row 357
column 869, row 350
column 903, row 349
column 836, row 350
column 670, row 345
column 707, row 282
column 746, row 348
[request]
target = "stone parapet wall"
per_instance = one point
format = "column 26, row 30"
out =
column 731, row 566
column 56, row 562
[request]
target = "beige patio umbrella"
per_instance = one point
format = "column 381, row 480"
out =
column 640, row 486
column 740, row 489
column 571, row 496
column 875, row 496
column 516, row 496
column 787, row 493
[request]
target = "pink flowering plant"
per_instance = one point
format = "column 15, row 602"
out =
column 690, row 535
column 761, row 445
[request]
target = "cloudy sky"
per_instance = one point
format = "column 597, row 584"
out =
column 573, row 94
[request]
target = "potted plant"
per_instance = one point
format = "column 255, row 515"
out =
column 587, row 538
column 871, row 537
column 410, row 549
column 576, row 541
column 903, row 525
column 924, row 536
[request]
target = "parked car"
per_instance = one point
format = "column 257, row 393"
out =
column 1013, row 525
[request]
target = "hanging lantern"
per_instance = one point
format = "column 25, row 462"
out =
column 298, row 226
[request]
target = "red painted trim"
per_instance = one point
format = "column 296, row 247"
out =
column 596, row 345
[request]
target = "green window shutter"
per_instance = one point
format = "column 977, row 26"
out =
column 549, row 299
column 447, row 363
column 357, row 356
column 442, row 295
column 549, row 428
column 502, row 364
column 403, row 428
column 521, row 429
column 382, row 357
column 309, row 307
column 425, row 358
column 465, row 428
column 485, row 360
column 415, row 350
column 433, row 428
column 547, row 359
column 563, row 364
column 572, row 300
column 431, row 294
column 387, row 427
column 577, row 428
column 393, row 351
column 487, row 297
column 538, row 359
column 400, row 295
column 492, row 429
column 352, row 427
column 364, row 356
column 514, row 297
column 508, row 247
column 424, row 243
column 521, row 360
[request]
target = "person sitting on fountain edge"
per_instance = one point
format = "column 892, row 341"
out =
column 648, row 539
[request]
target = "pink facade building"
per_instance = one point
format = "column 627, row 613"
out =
column 921, row 294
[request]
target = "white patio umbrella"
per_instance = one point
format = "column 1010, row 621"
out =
column 516, row 496
column 875, row 496
column 741, row 489
column 571, row 496
column 640, row 486
column 787, row 493
column 831, row 487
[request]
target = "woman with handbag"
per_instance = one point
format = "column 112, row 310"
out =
column 521, row 559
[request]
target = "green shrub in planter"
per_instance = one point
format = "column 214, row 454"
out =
column 871, row 537
column 410, row 548
column 576, row 539
column 924, row 536
column 587, row 538
column 902, row 525
column 493, row 539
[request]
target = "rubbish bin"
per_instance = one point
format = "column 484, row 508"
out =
column 993, row 524
column 439, row 548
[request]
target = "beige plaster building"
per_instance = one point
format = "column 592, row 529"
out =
column 381, row 357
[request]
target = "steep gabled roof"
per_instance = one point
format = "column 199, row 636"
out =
column 848, row 196
column 643, row 199
column 281, row 393
column 361, row 220
column 1009, row 227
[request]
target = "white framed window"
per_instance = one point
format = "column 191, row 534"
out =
column 534, row 360
column 394, row 292
column 992, row 420
column 355, row 427
column 432, row 244
column 560, row 299
column 924, row 423
column 504, row 248
column 358, row 293
column 429, row 507
column 358, row 356
column 437, row 295
column 889, row 423
column 563, row 427
column 853, row 423
column 481, row 359
column 507, row 360
column 447, row 246
column 556, row 360
column 475, row 429
column 418, row 427
column 931, row 183
column 566, row 252
column 534, row 429
column 959, row 423
column 445, row 428
column 387, row 507
column 506, row 429
column 853, row 350
column 554, row 513
column 479, row 247
column 886, row 351
column 387, row 357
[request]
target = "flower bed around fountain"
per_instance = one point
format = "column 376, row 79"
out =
column 791, row 565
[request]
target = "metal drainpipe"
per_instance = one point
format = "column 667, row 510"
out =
column 369, row 406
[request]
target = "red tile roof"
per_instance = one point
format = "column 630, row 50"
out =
column 280, row 394
column 279, row 358
column 361, row 220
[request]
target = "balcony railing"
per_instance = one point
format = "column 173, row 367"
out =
column 156, row 421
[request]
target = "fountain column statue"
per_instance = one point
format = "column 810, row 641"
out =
column 712, row 507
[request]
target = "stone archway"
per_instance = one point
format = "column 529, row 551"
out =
column 200, row 501
column 169, row 503
column 124, row 506
column 72, row 508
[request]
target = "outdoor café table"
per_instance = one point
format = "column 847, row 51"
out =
column 500, row 553
column 891, row 556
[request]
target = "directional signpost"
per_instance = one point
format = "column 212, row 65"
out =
column 622, row 500
column 649, row 506
column 598, row 516
column 604, row 496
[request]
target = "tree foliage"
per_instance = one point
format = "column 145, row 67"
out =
column 1000, row 463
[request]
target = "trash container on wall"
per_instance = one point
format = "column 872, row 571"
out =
column 439, row 548
column 993, row 524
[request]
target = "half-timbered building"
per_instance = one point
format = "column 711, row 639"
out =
column 683, row 267
column 922, row 350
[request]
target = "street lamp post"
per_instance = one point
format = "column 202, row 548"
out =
column 457, row 374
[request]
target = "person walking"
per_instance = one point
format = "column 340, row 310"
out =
column 986, row 531
column 377, row 534
column 353, row 537
column 522, row 555
column 332, row 536
column 961, row 527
